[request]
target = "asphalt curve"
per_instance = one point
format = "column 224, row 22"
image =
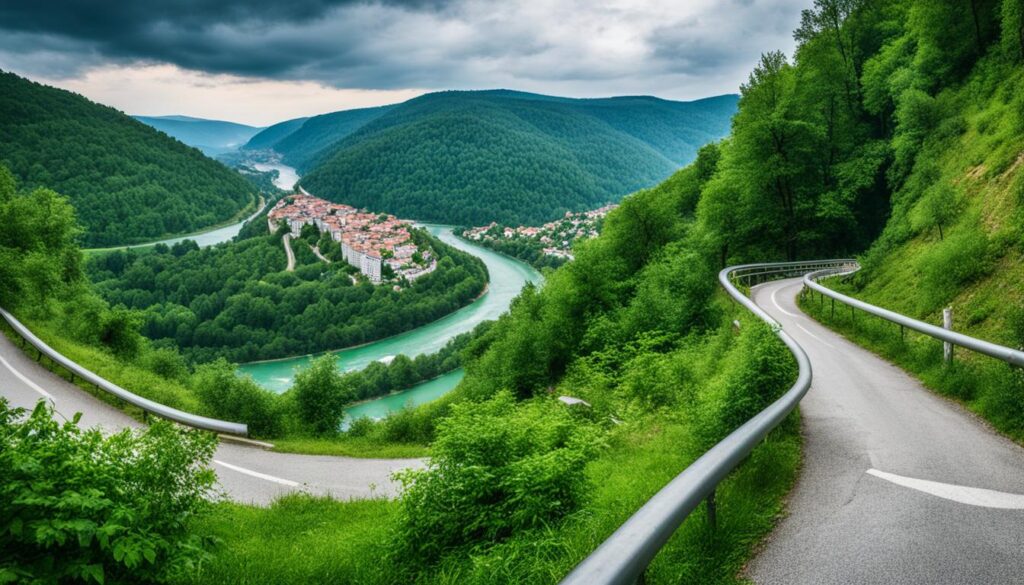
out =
column 246, row 474
column 898, row 485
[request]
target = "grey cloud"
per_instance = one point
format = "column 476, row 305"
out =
column 381, row 44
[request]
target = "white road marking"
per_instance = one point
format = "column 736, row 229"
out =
column 820, row 340
column 257, row 474
column 28, row 382
column 778, row 306
column 964, row 495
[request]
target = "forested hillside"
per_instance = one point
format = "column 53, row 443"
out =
column 473, row 157
column 303, row 147
column 236, row 300
column 213, row 137
column 267, row 137
column 127, row 181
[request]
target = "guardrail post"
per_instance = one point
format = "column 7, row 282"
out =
column 947, row 323
column 833, row 308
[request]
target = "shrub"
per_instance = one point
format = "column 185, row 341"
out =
column 759, row 370
column 239, row 399
column 76, row 505
column 321, row 396
column 166, row 362
column 948, row 266
column 497, row 468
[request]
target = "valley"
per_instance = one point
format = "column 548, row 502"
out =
column 490, row 336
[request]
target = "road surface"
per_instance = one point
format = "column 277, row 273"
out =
column 247, row 474
column 287, row 241
column 898, row 484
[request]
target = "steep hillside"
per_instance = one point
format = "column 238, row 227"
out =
column 474, row 157
column 127, row 181
column 213, row 137
column 267, row 137
column 300, row 147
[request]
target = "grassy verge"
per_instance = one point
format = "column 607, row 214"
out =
column 141, row 381
column 364, row 447
column 986, row 386
column 302, row 539
column 306, row 539
column 123, row 373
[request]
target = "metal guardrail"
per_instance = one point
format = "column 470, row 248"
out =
column 625, row 555
column 147, row 405
column 1000, row 352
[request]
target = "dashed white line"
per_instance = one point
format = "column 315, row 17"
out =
column 257, row 474
column 28, row 382
column 964, row 495
column 778, row 306
column 820, row 340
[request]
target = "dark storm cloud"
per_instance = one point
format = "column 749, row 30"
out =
column 381, row 44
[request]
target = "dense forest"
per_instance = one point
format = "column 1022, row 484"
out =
column 302, row 146
column 434, row 157
column 236, row 301
column 128, row 182
column 266, row 138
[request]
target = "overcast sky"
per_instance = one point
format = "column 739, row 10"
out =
column 262, row 62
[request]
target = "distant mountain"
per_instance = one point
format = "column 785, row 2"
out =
column 301, row 147
column 270, row 135
column 213, row 137
column 127, row 181
column 512, row 157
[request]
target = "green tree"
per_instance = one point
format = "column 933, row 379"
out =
column 321, row 395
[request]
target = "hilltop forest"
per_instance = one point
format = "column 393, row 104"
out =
column 469, row 158
column 128, row 182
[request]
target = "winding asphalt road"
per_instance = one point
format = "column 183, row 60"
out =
column 287, row 241
column 898, row 484
column 246, row 473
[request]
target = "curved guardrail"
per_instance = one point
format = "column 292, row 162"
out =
column 1000, row 352
column 625, row 555
column 147, row 405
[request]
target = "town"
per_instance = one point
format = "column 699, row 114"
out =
column 554, row 238
column 379, row 245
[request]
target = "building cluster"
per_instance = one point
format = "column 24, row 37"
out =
column 555, row 237
column 368, row 241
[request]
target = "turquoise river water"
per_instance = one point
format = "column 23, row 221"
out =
column 507, row 278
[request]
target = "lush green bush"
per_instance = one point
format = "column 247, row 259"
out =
column 321, row 395
column 229, row 396
column 78, row 506
column 497, row 468
column 950, row 264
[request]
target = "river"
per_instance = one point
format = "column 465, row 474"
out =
column 507, row 277
column 286, row 175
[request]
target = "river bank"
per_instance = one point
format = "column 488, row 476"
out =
column 507, row 278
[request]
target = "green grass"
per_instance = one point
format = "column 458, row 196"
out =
column 302, row 539
column 986, row 386
column 364, row 447
column 299, row 539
